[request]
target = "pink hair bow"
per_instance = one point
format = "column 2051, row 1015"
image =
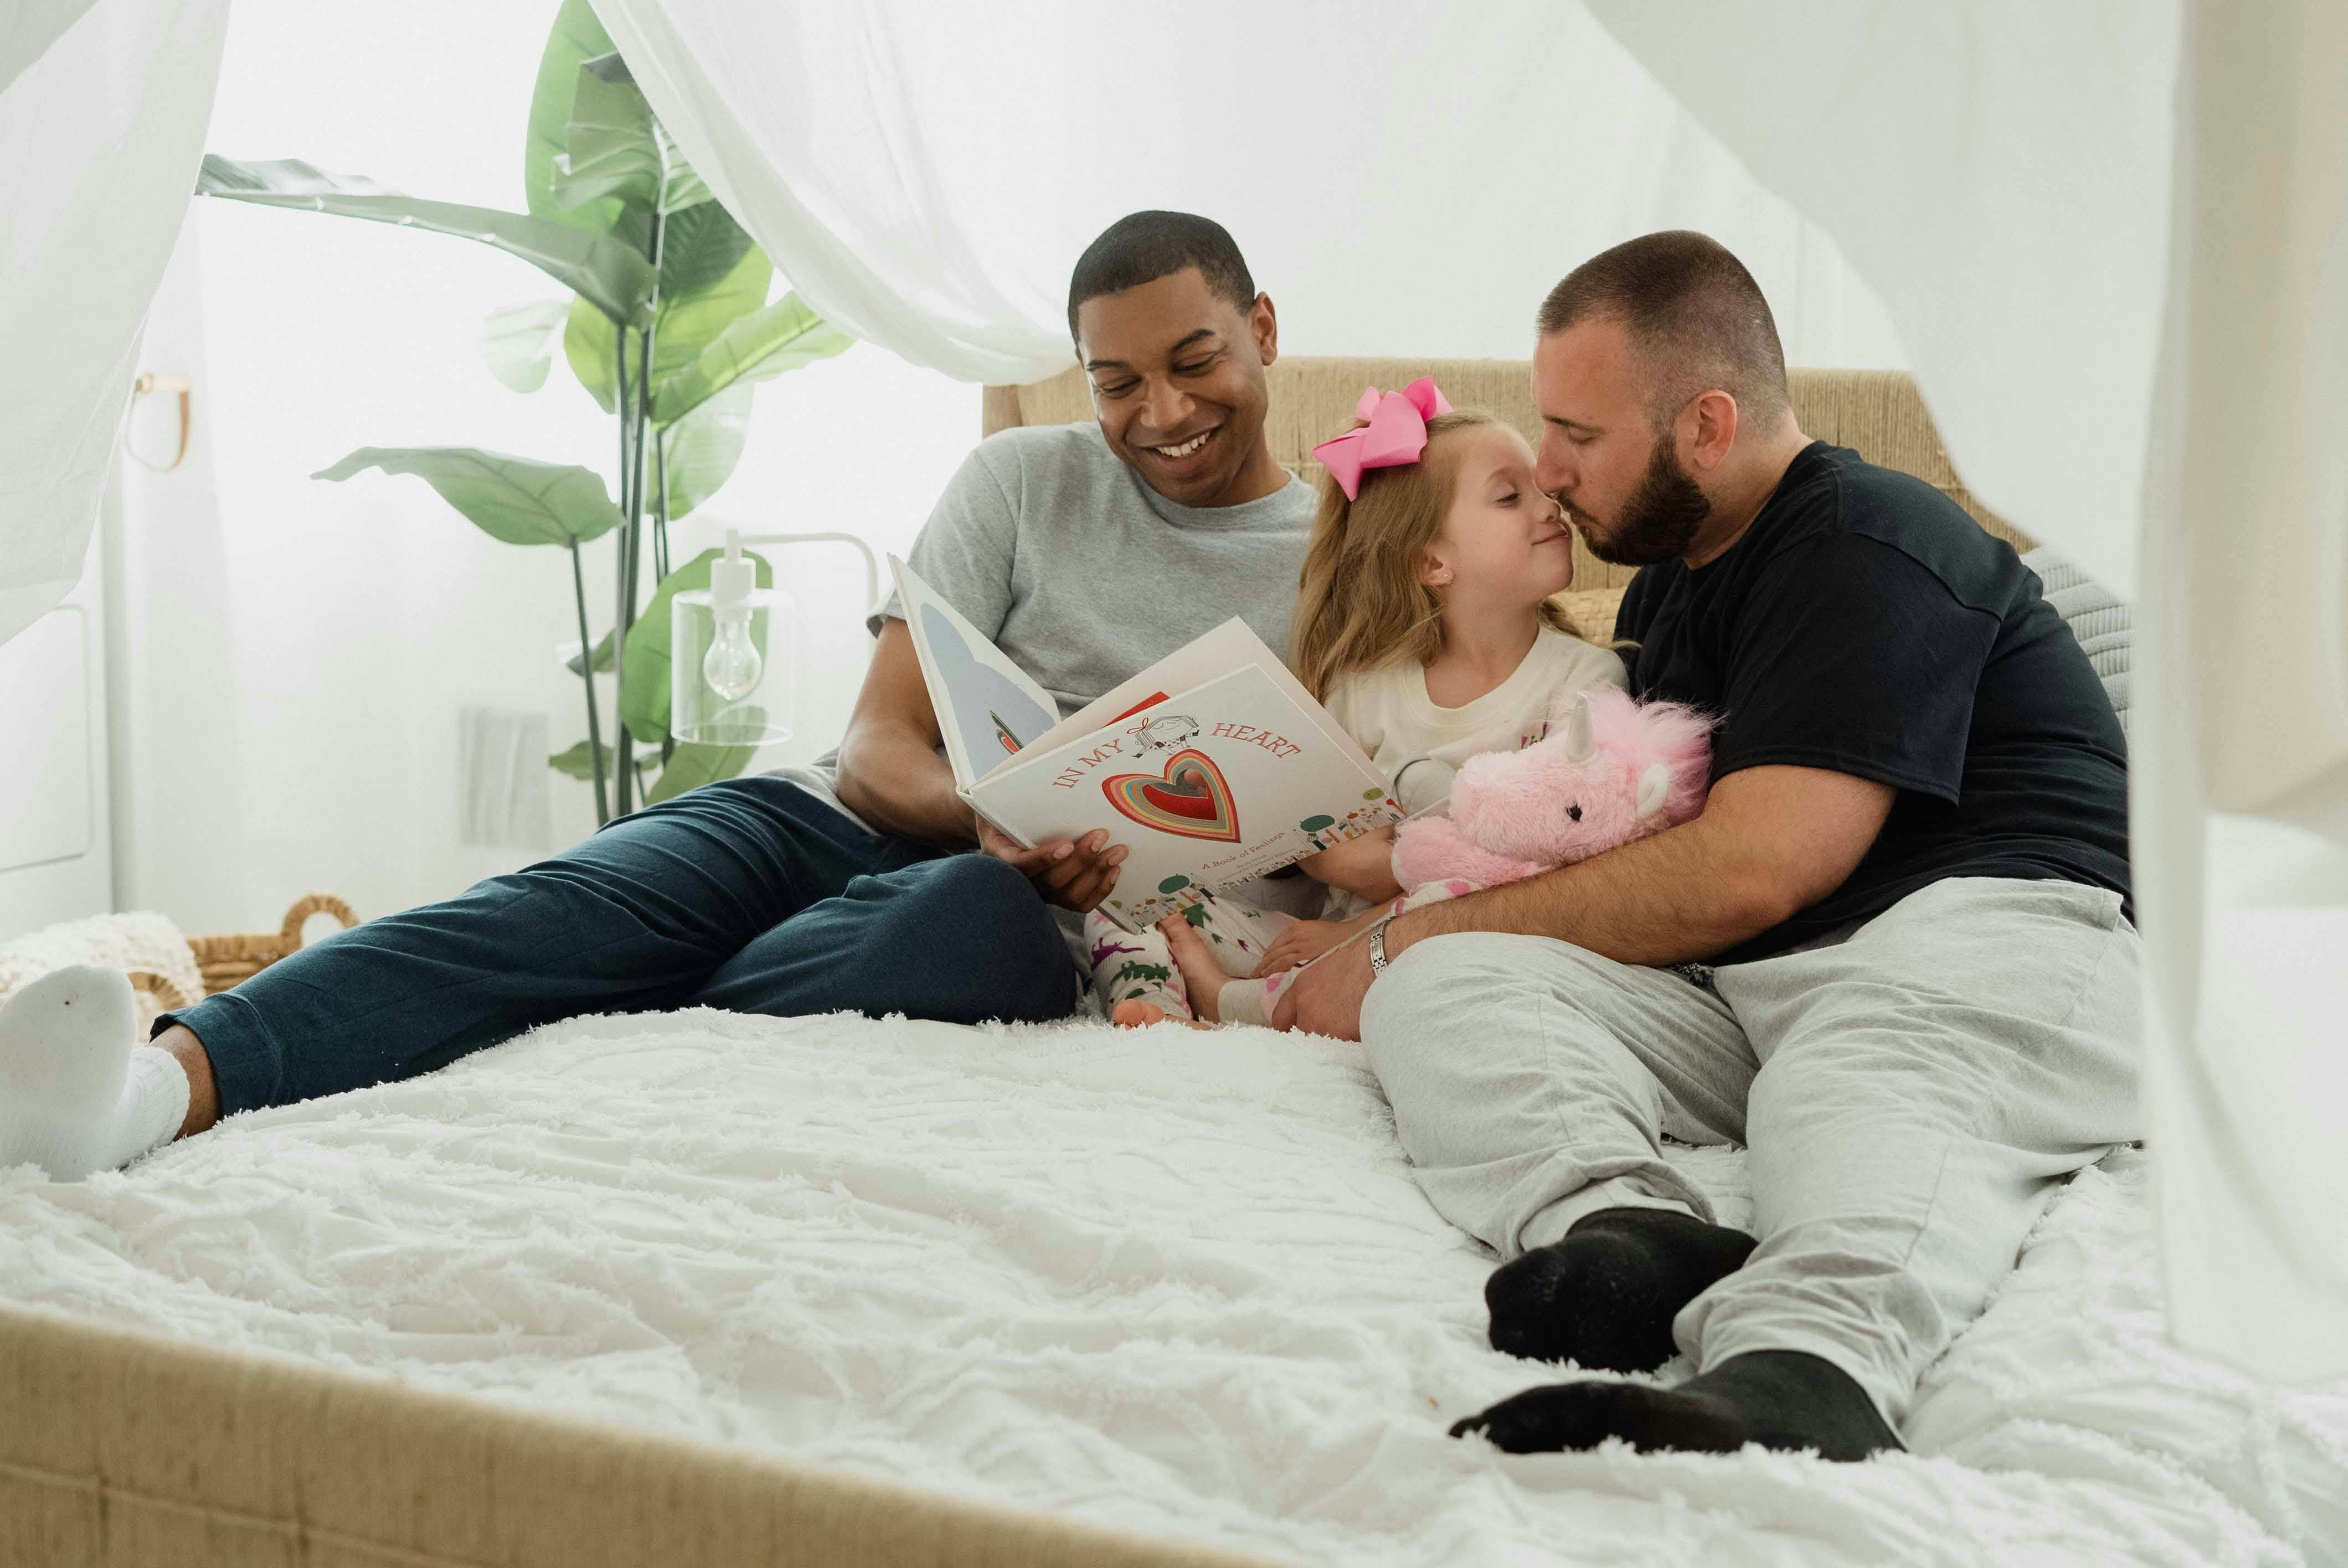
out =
column 1393, row 436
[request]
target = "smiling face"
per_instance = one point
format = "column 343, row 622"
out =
column 1177, row 376
column 1504, row 545
column 1622, row 481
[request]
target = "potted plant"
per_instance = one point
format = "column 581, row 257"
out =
column 667, row 326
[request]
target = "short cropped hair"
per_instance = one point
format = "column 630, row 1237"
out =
column 1695, row 315
column 1143, row 247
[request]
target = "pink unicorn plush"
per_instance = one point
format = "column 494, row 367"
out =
column 1617, row 772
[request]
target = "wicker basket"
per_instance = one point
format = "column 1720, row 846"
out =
column 226, row 960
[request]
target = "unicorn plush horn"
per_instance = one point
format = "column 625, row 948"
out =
column 1580, row 741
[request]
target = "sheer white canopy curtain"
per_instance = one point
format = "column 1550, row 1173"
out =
column 2109, row 236
column 1403, row 178
column 2112, row 237
column 103, row 105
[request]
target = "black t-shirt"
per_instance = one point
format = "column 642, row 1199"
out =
column 1864, row 624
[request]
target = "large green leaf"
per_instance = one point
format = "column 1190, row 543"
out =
column 618, row 149
column 591, row 343
column 517, row 340
column 704, row 447
column 703, row 250
column 685, row 188
column 576, row 38
column 696, row 764
column 612, row 149
column 612, row 276
column 689, row 323
column 764, row 343
column 645, row 692
column 572, row 763
column 516, row 499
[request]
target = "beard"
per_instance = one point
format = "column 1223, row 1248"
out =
column 1660, row 521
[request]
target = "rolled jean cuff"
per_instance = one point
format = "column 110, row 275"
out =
column 248, row 1065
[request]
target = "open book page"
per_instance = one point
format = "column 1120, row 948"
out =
column 1229, row 647
column 987, row 707
column 1217, row 783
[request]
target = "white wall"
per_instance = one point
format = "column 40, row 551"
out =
column 174, row 713
column 55, row 850
column 307, row 647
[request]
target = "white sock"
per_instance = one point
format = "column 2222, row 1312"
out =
column 78, row 1093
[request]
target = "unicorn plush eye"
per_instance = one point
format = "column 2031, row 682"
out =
column 1574, row 812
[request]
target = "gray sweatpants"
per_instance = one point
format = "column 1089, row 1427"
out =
column 1912, row 1091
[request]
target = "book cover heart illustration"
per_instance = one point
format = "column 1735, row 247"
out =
column 1190, row 798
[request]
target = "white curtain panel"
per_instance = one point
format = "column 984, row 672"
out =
column 1403, row 178
column 2114, row 240
column 29, row 27
column 104, row 130
column 1999, row 172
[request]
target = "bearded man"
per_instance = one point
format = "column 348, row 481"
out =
column 1893, row 956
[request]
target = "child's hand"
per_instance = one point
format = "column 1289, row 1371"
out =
column 1362, row 867
column 1301, row 943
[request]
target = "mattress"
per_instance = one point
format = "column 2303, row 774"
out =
column 1174, row 1283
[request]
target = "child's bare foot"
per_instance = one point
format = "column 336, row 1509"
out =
column 1202, row 977
column 1141, row 1015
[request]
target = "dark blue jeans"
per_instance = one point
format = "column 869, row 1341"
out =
column 750, row 894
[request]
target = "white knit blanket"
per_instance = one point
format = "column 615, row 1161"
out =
column 1181, row 1284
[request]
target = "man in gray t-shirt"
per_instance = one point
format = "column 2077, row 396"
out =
column 1087, row 551
column 1057, row 550
column 1055, row 547
column 1084, row 552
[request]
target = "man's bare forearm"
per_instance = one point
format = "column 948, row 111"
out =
column 1772, row 841
column 1664, row 900
column 891, row 777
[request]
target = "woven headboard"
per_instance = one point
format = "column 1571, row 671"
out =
column 1876, row 413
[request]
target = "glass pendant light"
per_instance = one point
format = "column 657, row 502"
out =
column 730, row 655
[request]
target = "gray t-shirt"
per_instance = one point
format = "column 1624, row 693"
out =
column 1084, row 575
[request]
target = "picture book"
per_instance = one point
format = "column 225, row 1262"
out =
column 1211, row 766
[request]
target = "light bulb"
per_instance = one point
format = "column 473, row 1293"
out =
column 732, row 665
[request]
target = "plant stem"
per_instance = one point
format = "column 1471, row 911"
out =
column 660, row 565
column 660, row 504
column 634, row 547
column 587, row 673
column 620, row 619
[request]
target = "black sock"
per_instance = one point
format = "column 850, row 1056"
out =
column 1779, row 1398
column 1604, row 1298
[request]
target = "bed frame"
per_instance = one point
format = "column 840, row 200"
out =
column 121, row 1449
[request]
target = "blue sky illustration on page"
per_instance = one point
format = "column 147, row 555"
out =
column 981, row 698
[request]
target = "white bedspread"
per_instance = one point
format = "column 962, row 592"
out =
column 1178, row 1282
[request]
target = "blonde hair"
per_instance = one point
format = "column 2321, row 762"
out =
column 1360, row 601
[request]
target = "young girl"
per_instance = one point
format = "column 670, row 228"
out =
column 1425, row 626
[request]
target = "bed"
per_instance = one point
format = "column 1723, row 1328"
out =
column 701, row 1288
